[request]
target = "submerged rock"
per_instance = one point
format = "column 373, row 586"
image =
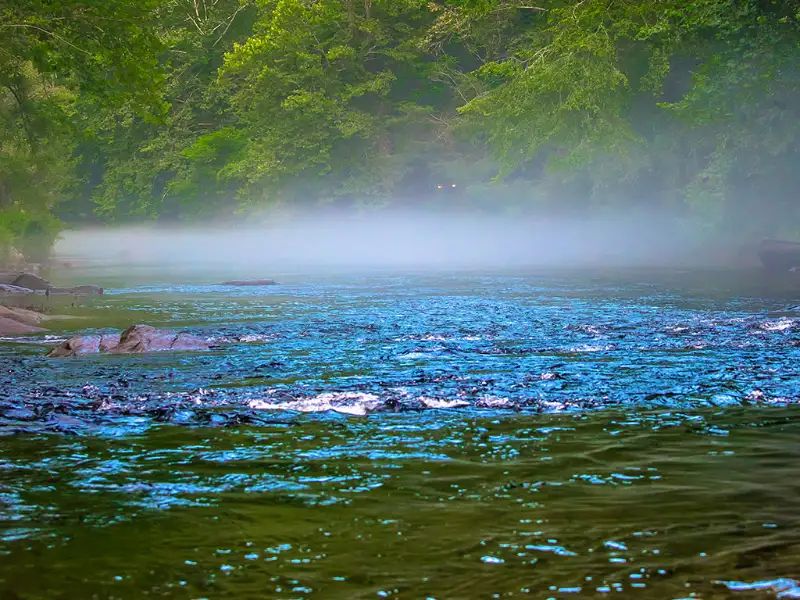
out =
column 250, row 282
column 134, row 340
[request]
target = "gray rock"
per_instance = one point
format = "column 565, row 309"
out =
column 144, row 338
column 78, row 290
column 250, row 282
column 22, row 315
column 8, row 277
column 85, row 344
column 134, row 340
column 12, row 327
column 32, row 282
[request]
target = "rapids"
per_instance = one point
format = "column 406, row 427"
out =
column 410, row 435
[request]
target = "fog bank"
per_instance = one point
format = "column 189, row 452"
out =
column 397, row 240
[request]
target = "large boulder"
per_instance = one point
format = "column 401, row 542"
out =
column 13, row 327
column 21, row 315
column 134, row 340
column 250, row 282
column 144, row 338
column 32, row 282
column 85, row 344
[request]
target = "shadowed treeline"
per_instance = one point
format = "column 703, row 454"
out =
column 179, row 111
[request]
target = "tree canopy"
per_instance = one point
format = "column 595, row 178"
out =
column 125, row 110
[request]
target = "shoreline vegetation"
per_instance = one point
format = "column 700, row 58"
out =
column 172, row 114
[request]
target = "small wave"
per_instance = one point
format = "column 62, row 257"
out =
column 437, row 403
column 437, row 337
column 778, row 325
column 412, row 355
column 361, row 404
column 558, row 550
column 46, row 339
column 592, row 348
column 678, row 329
column 243, row 339
column 590, row 329
column 783, row 587
column 424, row 337
column 494, row 402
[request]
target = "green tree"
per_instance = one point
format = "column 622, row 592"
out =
column 331, row 94
column 56, row 57
column 138, row 168
column 681, row 104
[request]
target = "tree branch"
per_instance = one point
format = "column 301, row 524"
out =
column 228, row 26
column 43, row 30
column 24, row 114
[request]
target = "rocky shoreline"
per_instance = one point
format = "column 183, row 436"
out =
column 16, row 283
column 21, row 285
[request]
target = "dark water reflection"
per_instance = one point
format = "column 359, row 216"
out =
column 656, row 505
column 645, row 445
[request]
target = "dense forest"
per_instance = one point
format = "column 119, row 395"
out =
column 185, row 110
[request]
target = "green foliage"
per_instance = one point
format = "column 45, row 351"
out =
column 58, row 58
column 184, row 109
column 322, row 90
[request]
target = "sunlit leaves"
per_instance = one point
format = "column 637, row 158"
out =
column 318, row 84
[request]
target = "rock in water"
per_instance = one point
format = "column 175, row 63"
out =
column 29, row 282
column 134, row 340
column 12, row 327
column 144, row 338
column 32, row 282
column 250, row 282
column 85, row 344
column 78, row 290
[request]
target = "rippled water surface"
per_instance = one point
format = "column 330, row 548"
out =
column 544, row 435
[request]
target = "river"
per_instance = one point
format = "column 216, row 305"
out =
column 410, row 434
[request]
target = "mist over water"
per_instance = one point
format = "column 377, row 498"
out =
column 580, row 428
column 396, row 239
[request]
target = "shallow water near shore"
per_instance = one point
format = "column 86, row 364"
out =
column 410, row 435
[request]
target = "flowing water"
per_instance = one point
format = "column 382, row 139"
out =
column 410, row 435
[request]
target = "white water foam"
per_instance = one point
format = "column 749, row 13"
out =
column 440, row 404
column 349, row 403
